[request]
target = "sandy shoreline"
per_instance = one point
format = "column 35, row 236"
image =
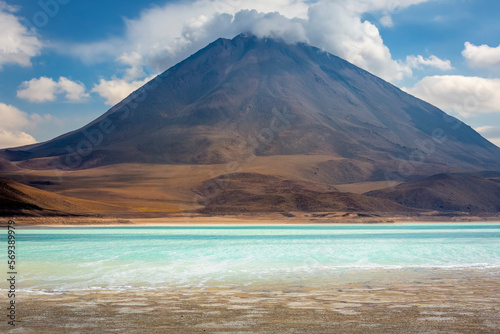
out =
column 235, row 220
column 462, row 302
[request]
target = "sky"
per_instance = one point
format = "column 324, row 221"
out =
column 64, row 63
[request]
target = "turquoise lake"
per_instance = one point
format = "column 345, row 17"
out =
column 151, row 257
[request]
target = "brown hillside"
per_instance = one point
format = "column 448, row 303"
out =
column 444, row 192
column 251, row 192
column 19, row 199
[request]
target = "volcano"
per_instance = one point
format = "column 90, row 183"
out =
column 279, row 106
column 270, row 98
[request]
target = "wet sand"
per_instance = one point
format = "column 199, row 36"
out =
column 457, row 301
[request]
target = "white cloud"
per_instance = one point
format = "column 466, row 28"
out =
column 13, row 121
column 38, row 90
column 432, row 61
column 492, row 133
column 178, row 29
column 15, row 138
column 482, row 56
column 465, row 96
column 489, row 130
column 12, row 118
column 340, row 30
column 166, row 35
column 495, row 141
column 116, row 90
column 364, row 6
column 134, row 60
column 74, row 91
column 18, row 44
column 163, row 36
column 386, row 21
column 275, row 25
column 45, row 89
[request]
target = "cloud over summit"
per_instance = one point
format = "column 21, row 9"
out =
column 161, row 36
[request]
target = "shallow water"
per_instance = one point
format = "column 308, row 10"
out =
column 154, row 257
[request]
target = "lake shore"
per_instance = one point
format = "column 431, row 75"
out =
column 461, row 301
column 240, row 219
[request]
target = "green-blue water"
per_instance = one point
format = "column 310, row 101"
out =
column 82, row 258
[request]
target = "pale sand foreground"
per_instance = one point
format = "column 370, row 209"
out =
column 436, row 302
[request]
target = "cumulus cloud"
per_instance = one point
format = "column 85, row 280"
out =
column 492, row 133
column 275, row 25
column 171, row 32
column 18, row 44
column 465, row 96
column 386, row 21
column 38, row 90
column 432, row 61
column 337, row 29
column 482, row 56
column 45, row 89
column 165, row 35
column 134, row 60
column 162, row 36
column 116, row 90
column 495, row 141
column 15, row 139
column 13, row 120
column 74, row 91
column 489, row 130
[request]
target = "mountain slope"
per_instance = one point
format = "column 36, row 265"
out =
column 248, row 96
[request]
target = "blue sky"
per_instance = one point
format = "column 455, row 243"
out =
column 65, row 62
